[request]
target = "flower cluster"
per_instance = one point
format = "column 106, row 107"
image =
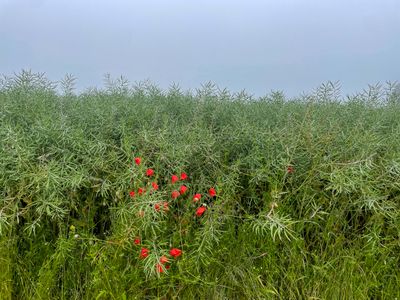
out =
column 163, row 260
column 179, row 190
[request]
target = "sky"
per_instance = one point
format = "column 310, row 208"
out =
column 256, row 45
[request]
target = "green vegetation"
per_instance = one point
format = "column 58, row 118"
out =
column 307, row 205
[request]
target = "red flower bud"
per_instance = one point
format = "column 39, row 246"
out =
column 141, row 191
column 183, row 176
column 132, row 194
column 290, row 169
column 136, row 241
column 157, row 207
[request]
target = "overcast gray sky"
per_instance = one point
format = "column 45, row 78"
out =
column 289, row 45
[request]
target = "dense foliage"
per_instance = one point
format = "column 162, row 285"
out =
column 307, row 202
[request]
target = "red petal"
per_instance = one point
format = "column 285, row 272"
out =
column 175, row 194
column 183, row 189
column 174, row 178
column 150, row 172
column 200, row 211
column 212, row 192
column 175, row 252
column 163, row 259
column 159, row 268
column 196, row 197
column 138, row 160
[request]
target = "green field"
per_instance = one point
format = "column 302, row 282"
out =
column 307, row 202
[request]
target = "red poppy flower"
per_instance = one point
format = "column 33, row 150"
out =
column 212, row 192
column 175, row 194
column 167, row 267
column 136, row 241
column 159, row 268
column 200, row 211
column 138, row 160
column 163, row 259
column 175, row 252
column 154, row 185
column 174, row 178
column 144, row 252
column 132, row 194
column 183, row 176
column 196, row 197
column 290, row 169
column 182, row 189
column 149, row 172
column 157, row 207
column 141, row 191
column 165, row 206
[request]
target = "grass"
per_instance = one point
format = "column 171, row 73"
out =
column 328, row 230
